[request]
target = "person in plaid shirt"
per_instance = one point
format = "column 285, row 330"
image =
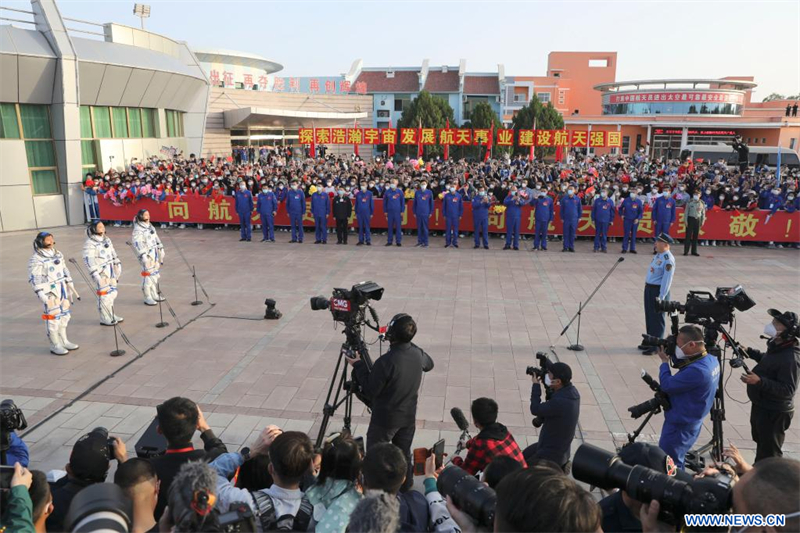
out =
column 494, row 439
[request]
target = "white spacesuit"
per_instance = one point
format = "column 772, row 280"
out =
column 51, row 281
column 105, row 269
column 150, row 253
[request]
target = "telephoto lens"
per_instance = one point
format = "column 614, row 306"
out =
column 100, row 507
column 468, row 494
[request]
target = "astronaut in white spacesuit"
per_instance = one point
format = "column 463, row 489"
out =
column 51, row 281
column 104, row 268
column 150, row 253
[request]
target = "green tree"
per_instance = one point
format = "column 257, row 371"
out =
column 774, row 96
column 547, row 118
column 484, row 117
column 426, row 111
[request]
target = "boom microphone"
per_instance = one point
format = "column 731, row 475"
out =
column 459, row 418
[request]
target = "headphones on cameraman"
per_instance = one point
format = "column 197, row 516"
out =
column 390, row 328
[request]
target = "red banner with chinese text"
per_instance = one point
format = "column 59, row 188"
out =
column 720, row 225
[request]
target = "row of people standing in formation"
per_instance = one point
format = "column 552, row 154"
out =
column 603, row 213
column 52, row 281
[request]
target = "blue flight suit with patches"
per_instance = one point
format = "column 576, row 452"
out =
column 365, row 206
column 453, row 207
column 480, row 219
column 296, row 207
column 423, row 207
column 320, row 209
column 663, row 214
column 543, row 216
column 691, row 392
column 657, row 285
column 570, row 212
column 513, row 203
column 266, row 205
column 602, row 216
column 631, row 212
column 394, row 204
column 244, row 208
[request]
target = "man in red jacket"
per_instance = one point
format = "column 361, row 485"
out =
column 493, row 440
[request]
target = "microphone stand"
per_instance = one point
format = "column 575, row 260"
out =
column 162, row 323
column 577, row 346
column 194, row 279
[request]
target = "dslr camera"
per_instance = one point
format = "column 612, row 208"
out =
column 540, row 372
column 348, row 306
column 705, row 495
column 659, row 401
column 468, row 494
column 11, row 419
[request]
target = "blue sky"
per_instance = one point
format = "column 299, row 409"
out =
column 654, row 39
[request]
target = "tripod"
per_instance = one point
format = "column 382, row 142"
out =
column 636, row 432
column 578, row 347
column 345, row 389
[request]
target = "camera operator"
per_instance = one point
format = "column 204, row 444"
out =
column 691, row 391
column 772, row 383
column 393, row 385
column 559, row 415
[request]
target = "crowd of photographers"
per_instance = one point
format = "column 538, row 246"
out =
column 283, row 482
column 275, row 172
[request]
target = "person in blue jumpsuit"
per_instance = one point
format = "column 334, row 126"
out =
column 423, row 207
column 453, row 207
column 480, row 217
column 602, row 216
column 320, row 209
column 570, row 212
column 543, row 216
column 267, row 207
column 631, row 212
column 365, row 206
column 513, row 203
column 691, row 392
column 244, row 208
column 296, row 208
column 656, row 286
column 664, row 213
column 394, row 204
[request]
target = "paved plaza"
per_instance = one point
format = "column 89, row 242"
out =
column 482, row 316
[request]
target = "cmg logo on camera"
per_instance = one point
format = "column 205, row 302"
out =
column 340, row 305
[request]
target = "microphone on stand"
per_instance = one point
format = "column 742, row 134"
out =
column 463, row 425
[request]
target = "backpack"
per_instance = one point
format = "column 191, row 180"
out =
column 265, row 513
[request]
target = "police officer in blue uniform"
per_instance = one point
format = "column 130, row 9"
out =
column 513, row 203
column 570, row 212
column 296, row 208
column 631, row 212
column 394, row 204
column 656, row 286
column 453, row 207
column 480, row 217
column 691, row 391
column 602, row 216
column 423, row 207
column 543, row 215
column 267, row 207
column 664, row 213
column 320, row 209
column 244, row 208
column 365, row 207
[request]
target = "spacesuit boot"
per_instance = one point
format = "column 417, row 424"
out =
column 62, row 330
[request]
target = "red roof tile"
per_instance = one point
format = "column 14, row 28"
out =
column 442, row 82
column 406, row 81
column 481, row 85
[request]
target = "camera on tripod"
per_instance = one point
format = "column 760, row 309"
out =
column 702, row 307
column 540, row 372
column 347, row 306
column 659, row 401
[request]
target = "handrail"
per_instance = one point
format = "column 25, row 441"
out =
column 18, row 20
column 17, row 10
column 86, row 31
column 83, row 21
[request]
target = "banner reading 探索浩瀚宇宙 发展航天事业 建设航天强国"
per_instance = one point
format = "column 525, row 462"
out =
column 720, row 225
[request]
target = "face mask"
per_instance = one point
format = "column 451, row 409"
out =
column 341, row 193
column 294, row 187
column 280, row 187
column 666, row 194
column 327, row 183
column 570, row 192
column 363, row 187
column 242, row 186
column 696, row 196
column 721, row 196
column 393, row 186
column 770, row 331
column 708, row 191
column 538, row 187
column 452, row 189
column 603, row 194
column 776, row 191
column 265, row 190
column 482, row 193
column 513, row 193
column 423, row 186
column 547, row 380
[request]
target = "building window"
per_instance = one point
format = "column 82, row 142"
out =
column 35, row 121
column 174, row 123
column 626, row 144
column 120, row 122
column 42, row 166
column 135, row 122
column 9, row 126
column 520, row 97
column 399, row 103
column 562, row 95
column 149, row 123
column 792, row 143
column 543, row 97
column 763, row 140
column 88, row 156
column 86, row 122
column 101, row 118
column 383, row 113
column 598, row 63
